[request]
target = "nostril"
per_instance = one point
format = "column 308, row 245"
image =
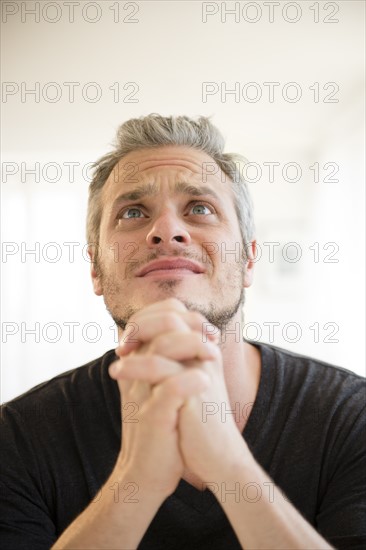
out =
column 155, row 239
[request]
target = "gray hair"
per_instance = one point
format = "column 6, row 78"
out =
column 156, row 131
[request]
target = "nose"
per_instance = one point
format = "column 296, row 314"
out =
column 168, row 229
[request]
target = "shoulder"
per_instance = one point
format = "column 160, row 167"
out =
column 304, row 367
column 57, row 396
column 313, row 382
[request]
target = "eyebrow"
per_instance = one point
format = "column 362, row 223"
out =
column 150, row 190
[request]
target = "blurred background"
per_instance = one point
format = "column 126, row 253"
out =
column 284, row 82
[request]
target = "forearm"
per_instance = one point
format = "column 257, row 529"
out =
column 117, row 518
column 261, row 516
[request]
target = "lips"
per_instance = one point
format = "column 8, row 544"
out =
column 167, row 265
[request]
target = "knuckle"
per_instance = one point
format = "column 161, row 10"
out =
column 198, row 339
column 172, row 386
column 172, row 321
column 175, row 304
column 159, row 343
column 154, row 364
column 198, row 317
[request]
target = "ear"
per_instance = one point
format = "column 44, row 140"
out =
column 251, row 251
column 94, row 271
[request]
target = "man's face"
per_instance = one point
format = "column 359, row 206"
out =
column 170, row 230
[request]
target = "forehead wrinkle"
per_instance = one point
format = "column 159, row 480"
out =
column 143, row 190
column 155, row 158
column 189, row 189
column 151, row 189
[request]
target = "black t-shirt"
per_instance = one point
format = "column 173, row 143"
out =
column 60, row 441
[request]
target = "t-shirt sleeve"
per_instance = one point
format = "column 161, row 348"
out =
column 25, row 519
column 342, row 514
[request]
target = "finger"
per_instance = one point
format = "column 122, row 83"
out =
column 127, row 386
column 168, row 304
column 114, row 368
column 184, row 346
column 150, row 325
column 177, row 389
column 150, row 368
column 167, row 398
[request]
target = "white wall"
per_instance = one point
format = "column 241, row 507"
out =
column 168, row 53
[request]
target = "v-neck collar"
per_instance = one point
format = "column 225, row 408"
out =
column 201, row 501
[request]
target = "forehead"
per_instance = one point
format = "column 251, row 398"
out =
column 168, row 164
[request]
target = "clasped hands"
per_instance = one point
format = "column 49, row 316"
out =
column 168, row 370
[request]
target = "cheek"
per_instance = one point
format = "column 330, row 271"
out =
column 224, row 251
column 116, row 251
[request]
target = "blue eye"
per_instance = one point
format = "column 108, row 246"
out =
column 132, row 213
column 201, row 209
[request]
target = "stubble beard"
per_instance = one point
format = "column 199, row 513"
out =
column 113, row 291
column 216, row 315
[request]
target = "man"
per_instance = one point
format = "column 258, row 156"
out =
column 224, row 443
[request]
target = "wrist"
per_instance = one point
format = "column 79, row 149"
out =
column 148, row 487
column 234, row 463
